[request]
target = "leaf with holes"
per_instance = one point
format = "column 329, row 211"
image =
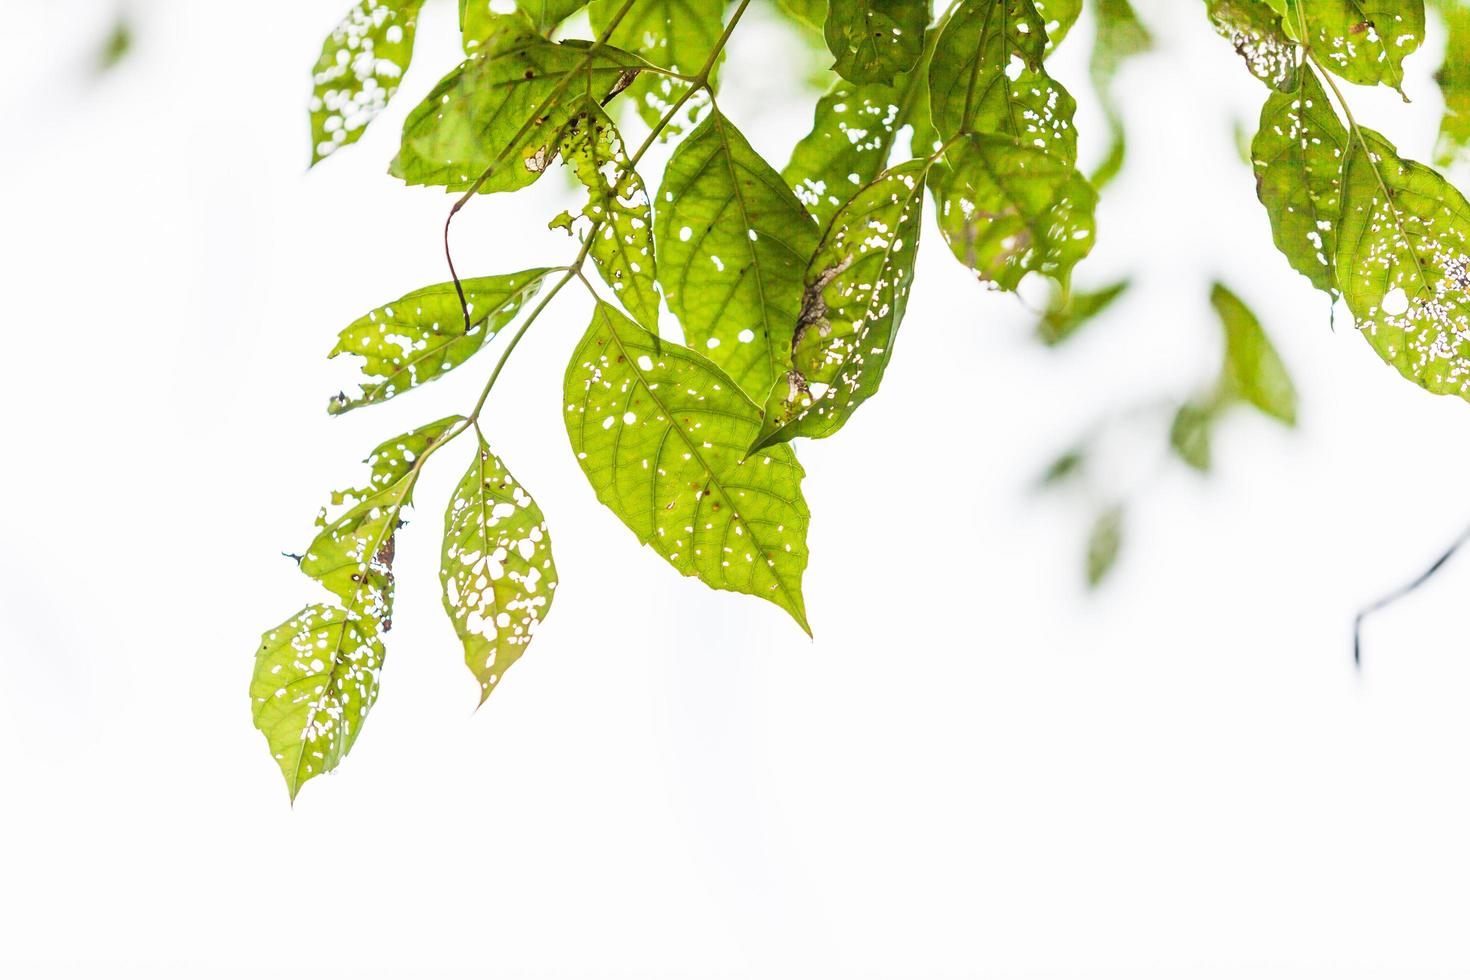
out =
column 1453, row 79
column 1364, row 41
column 1403, row 261
column 496, row 568
column 1068, row 311
column 316, row 677
column 479, row 118
column 733, row 246
column 674, row 34
column 1007, row 210
column 857, row 286
column 1297, row 156
column 986, row 77
column 361, row 64
column 1253, row 370
column 875, row 40
column 616, row 213
column 1255, row 31
column 423, row 336
column 661, row 433
column 477, row 17
column 1059, row 16
column 1120, row 36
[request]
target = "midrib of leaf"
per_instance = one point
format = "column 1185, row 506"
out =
column 370, row 392
column 975, row 69
column 314, row 707
column 736, row 513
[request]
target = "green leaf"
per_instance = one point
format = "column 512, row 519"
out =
column 480, row 115
column 1297, row 157
column 1190, row 434
column 1062, row 469
column 1453, row 79
column 661, row 433
column 1364, row 41
column 1255, row 31
column 875, row 40
column 1401, row 259
column 1070, row 310
column 674, row 34
column 733, row 245
column 498, row 575
column 856, row 288
column 478, row 18
column 422, row 336
column 971, row 87
column 853, row 133
column 1060, row 16
column 1103, row 543
column 812, row 13
column 1253, row 370
column 616, row 214
column 358, row 71
column 1120, row 36
column 316, row 676
column 1007, row 209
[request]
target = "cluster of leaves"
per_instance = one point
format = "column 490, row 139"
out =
column 789, row 285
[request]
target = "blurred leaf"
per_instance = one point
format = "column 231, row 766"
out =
column 1253, row 369
column 1297, row 157
column 1190, row 434
column 1364, row 41
column 661, row 433
column 1254, row 29
column 674, row 34
column 1061, row 469
column 1069, row 310
column 875, row 40
column 856, row 290
column 116, row 46
column 1402, row 247
column 812, row 13
column 360, row 66
column 1103, row 543
column 422, row 336
column 617, row 210
column 1120, row 36
column 1453, row 78
column 496, row 567
column 733, row 245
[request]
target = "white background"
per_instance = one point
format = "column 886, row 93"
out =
column 974, row 770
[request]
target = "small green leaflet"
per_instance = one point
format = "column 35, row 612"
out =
column 733, row 245
column 496, row 567
column 1453, row 79
column 661, row 433
column 1189, row 436
column 1060, row 16
column 1120, row 36
column 478, row 119
column 1364, row 41
column 857, row 286
column 1297, row 157
column 875, row 40
column 616, row 213
column 674, row 34
column 1402, row 264
column 1255, row 31
column 358, row 71
column 1007, row 209
column 422, row 336
column 1069, row 310
column 1103, row 543
column 971, row 87
column 1253, row 370
column 316, row 676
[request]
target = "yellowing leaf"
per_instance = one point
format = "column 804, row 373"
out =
column 661, row 433
column 361, row 64
column 496, row 568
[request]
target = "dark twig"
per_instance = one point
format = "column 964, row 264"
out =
column 1399, row 593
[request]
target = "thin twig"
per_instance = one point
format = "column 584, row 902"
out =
column 1399, row 593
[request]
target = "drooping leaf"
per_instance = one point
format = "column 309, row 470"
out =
column 616, row 213
column 1189, row 436
column 1103, row 543
column 1453, row 79
column 496, row 567
column 1070, row 310
column 674, row 34
column 352, row 554
column 661, row 433
column 1120, row 36
column 1253, row 370
column 422, row 336
column 1059, row 16
column 1402, row 245
column 986, row 77
column 875, row 40
column 856, row 289
column 316, row 677
column 733, row 245
column 1256, row 33
column 480, row 118
column 1007, row 209
column 1297, row 156
column 359, row 69
column 1364, row 41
